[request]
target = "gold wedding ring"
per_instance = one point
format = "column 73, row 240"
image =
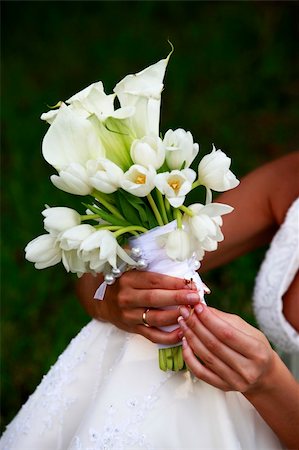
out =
column 144, row 318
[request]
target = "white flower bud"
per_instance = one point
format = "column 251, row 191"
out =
column 214, row 173
column 148, row 151
column 180, row 148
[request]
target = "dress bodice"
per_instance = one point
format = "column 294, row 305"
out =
column 278, row 270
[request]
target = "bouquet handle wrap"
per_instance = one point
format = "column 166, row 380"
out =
column 157, row 261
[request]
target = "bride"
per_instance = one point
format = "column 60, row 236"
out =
column 106, row 390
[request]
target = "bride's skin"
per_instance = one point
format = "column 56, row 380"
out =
column 236, row 356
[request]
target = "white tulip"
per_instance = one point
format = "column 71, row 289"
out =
column 108, row 248
column 206, row 222
column 175, row 185
column 148, row 151
column 143, row 91
column 138, row 180
column 178, row 245
column 44, row 251
column 72, row 238
column 104, row 175
column 59, row 219
column 71, row 139
column 73, row 179
column 93, row 100
column 73, row 262
column 179, row 148
column 214, row 173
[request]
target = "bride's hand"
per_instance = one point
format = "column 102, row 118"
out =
column 225, row 351
column 134, row 293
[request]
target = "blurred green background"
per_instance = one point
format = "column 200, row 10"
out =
column 232, row 80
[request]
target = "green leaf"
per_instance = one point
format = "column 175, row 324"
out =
column 107, row 216
column 127, row 210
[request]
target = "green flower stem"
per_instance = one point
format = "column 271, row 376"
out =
column 168, row 210
column 131, row 229
column 108, row 227
column 155, row 210
column 90, row 217
column 178, row 216
column 187, row 210
column 162, row 206
column 196, row 184
column 107, row 205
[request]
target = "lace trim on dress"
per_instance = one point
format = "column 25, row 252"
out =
column 274, row 278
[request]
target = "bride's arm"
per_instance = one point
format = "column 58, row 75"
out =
column 228, row 353
column 260, row 204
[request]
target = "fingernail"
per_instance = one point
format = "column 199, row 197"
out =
column 184, row 312
column 193, row 297
column 180, row 335
column 182, row 323
column 184, row 342
column 206, row 289
column 198, row 308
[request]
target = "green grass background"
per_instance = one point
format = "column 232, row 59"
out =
column 232, row 80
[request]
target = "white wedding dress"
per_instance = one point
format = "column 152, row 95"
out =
column 106, row 392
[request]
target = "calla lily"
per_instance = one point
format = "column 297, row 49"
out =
column 44, row 251
column 175, row 185
column 104, row 175
column 93, row 100
column 49, row 116
column 179, row 148
column 148, row 151
column 108, row 248
column 214, row 173
column 59, row 219
column 138, row 180
column 73, row 179
column 71, row 139
column 143, row 91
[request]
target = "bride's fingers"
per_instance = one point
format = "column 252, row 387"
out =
column 159, row 318
column 152, row 280
column 234, row 338
column 154, row 317
column 206, row 353
column 200, row 371
column 157, row 298
column 158, row 336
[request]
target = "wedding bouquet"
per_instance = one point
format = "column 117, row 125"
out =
column 135, row 183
